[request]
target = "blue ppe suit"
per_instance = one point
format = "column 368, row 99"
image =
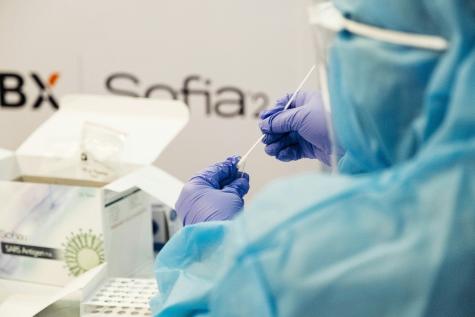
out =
column 395, row 235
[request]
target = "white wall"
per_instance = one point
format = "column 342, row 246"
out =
column 260, row 47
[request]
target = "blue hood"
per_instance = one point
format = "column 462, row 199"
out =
column 394, row 103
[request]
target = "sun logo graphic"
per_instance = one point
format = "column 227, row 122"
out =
column 83, row 251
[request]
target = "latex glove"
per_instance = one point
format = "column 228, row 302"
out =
column 215, row 193
column 298, row 132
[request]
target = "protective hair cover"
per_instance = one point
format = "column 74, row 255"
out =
column 396, row 239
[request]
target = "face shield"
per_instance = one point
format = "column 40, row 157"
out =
column 327, row 23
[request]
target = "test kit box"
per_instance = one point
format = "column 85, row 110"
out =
column 77, row 192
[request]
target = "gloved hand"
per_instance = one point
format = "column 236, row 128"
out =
column 298, row 132
column 215, row 193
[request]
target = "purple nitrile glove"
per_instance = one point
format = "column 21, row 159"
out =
column 214, row 194
column 298, row 132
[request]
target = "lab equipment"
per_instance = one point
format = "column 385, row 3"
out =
column 397, row 240
column 100, row 151
column 124, row 297
column 242, row 162
column 215, row 193
column 299, row 132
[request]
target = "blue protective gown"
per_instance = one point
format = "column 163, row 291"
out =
column 395, row 235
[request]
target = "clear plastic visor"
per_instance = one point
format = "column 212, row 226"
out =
column 327, row 21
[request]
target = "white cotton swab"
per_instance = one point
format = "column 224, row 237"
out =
column 244, row 158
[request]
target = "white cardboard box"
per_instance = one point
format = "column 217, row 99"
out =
column 59, row 217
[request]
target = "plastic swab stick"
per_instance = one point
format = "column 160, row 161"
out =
column 243, row 160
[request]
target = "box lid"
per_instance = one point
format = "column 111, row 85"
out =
column 5, row 153
column 152, row 180
column 148, row 126
column 8, row 165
